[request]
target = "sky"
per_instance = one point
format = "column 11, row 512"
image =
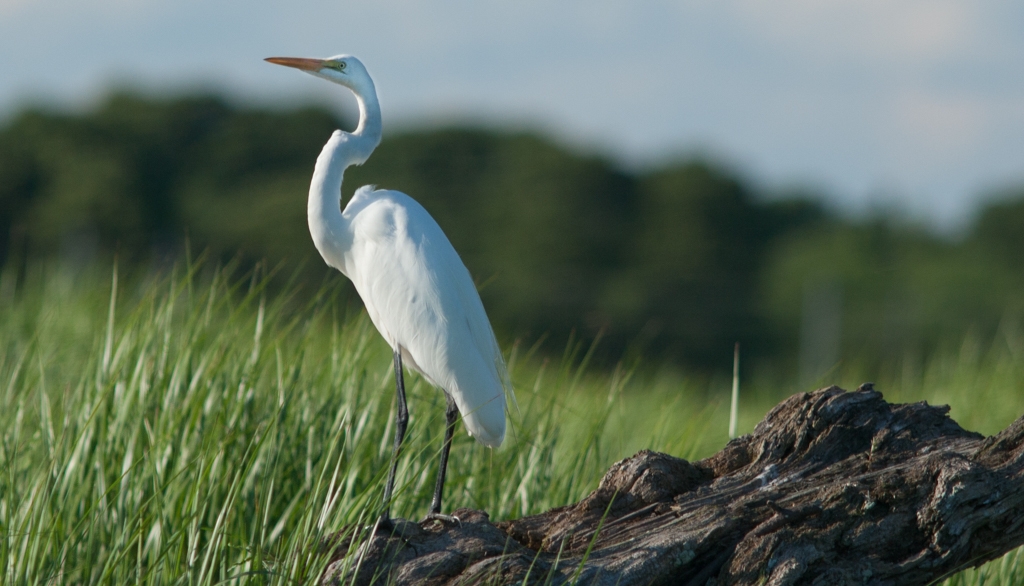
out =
column 905, row 106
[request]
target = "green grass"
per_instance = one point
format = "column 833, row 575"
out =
column 196, row 430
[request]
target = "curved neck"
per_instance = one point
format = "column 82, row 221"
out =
column 330, row 231
column 368, row 132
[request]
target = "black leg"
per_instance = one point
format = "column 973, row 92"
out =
column 451, row 416
column 401, row 422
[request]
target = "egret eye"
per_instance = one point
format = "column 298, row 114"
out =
column 341, row 65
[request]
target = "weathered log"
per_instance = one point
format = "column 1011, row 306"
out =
column 832, row 487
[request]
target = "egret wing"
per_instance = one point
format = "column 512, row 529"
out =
column 422, row 299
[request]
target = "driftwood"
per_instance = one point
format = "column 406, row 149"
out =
column 832, row 487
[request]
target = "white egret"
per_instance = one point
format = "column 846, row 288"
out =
column 416, row 289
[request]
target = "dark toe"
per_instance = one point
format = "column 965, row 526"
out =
column 448, row 519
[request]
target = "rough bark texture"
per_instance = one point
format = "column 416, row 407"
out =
column 832, row 487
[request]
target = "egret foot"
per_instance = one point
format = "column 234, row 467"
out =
column 451, row 519
column 384, row 524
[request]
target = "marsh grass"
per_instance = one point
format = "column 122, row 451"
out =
column 187, row 428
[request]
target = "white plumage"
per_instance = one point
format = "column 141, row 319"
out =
column 422, row 300
column 416, row 289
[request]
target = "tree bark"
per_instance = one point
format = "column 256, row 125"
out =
column 832, row 487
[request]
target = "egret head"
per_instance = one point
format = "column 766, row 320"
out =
column 343, row 69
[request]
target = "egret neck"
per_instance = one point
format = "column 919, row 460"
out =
column 329, row 229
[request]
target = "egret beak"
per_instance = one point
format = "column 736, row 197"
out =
column 297, row 63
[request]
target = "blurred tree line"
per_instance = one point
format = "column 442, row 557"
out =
column 676, row 263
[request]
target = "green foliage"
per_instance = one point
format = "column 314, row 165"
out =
column 675, row 264
column 136, row 174
column 903, row 292
column 559, row 242
column 999, row 230
column 689, row 283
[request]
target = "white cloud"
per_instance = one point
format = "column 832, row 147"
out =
column 939, row 126
column 909, row 32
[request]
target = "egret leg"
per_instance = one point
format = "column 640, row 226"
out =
column 401, row 422
column 451, row 416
